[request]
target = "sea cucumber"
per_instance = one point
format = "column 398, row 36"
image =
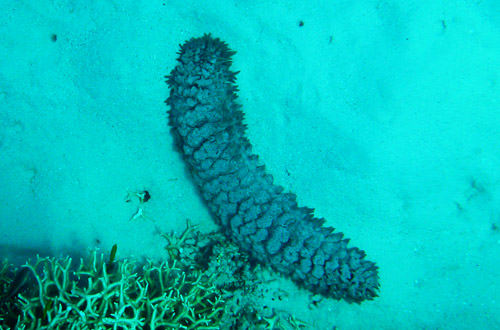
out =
column 207, row 125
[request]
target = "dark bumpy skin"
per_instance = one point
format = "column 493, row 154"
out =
column 207, row 124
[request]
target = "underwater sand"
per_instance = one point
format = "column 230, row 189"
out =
column 382, row 115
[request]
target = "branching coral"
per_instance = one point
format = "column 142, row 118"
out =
column 231, row 271
column 113, row 295
column 206, row 284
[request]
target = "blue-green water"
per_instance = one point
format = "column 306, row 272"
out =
column 381, row 115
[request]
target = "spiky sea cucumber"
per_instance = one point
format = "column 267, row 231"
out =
column 257, row 214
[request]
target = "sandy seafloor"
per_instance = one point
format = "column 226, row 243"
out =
column 383, row 115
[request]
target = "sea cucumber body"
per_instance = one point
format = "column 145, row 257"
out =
column 257, row 214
